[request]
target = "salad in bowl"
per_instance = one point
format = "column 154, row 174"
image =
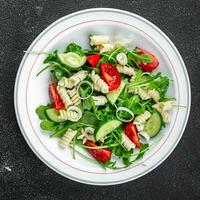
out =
column 108, row 100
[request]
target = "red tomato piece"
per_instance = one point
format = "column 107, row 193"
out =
column 131, row 133
column 102, row 155
column 149, row 66
column 55, row 97
column 110, row 75
column 93, row 59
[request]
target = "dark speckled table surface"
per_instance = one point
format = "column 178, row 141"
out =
column 24, row 176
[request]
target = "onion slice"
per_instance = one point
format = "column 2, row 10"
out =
column 144, row 137
column 88, row 83
column 126, row 110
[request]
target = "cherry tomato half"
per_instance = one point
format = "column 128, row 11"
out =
column 93, row 59
column 102, row 155
column 131, row 133
column 55, row 97
column 149, row 66
column 110, row 75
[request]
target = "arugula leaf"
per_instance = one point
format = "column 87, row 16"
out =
column 138, row 58
column 109, row 164
column 48, row 125
column 72, row 47
column 133, row 102
column 41, row 111
column 87, row 104
column 57, row 74
column 104, row 113
column 88, row 119
column 143, row 149
column 51, row 57
column 110, row 56
column 119, row 151
column 161, row 85
column 85, row 90
column 143, row 80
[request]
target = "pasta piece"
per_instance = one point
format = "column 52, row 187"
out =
column 142, row 93
column 73, row 113
column 165, row 116
column 99, row 39
column 154, row 94
column 132, row 79
column 63, row 114
column 67, row 138
column 141, row 119
column 140, row 127
column 64, row 96
column 107, row 47
column 164, row 109
column 96, row 87
column 78, row 77
column 99, row 100
column 65, row 82
column 144, row 137
column 99, row 83
column 127, row 143
column 125, row 70
column 74, row 97
column 87, row 134
column 163, row 106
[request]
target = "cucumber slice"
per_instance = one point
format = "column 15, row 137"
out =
column 71, row 59
column 105, row 128
column 53, row 115
column 113, row 95
column 154, row 124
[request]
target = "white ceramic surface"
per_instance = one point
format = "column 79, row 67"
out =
column 31, row 91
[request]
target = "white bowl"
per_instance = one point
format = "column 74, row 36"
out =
column 31, row 91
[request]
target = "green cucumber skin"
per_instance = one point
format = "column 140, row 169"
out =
column 101, row 131
column 160, row 125
column 113, row 96
column 52, row 115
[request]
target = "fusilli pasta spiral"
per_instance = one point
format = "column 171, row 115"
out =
column 107, row 47
column 99, row 100
column 87, row 134
column 73, row 113
column 67, row 138
column 164, row 109
column 78, row 77
column 154, row 94
column 163, row 106
column 165, row 116
column 64, row 96
column 142, row 93
column 125, row 70
column 140, row 127
column 74, row 97
column 144, row 137
column 141, row 119
column 63, row 114
column 132, row 79
column 127, row 143
column 99, row 83
column 65, row 82
column 99, row 39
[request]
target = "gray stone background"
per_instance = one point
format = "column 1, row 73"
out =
column 177, row 178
